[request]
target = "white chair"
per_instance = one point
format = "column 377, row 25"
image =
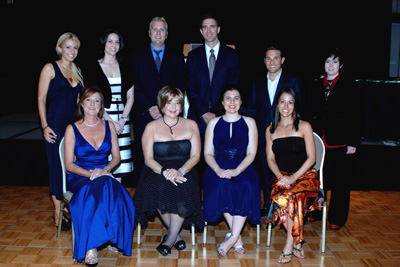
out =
column 319, row 164
column 67, row 195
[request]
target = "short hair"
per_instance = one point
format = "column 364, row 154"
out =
column 274, row 46
column 63, row 38
column 336, row 53
column 158, row 19
column 166, row 94
column 208, row 16
column 84, row 93
column 229, row 87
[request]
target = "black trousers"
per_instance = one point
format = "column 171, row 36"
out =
column 339, row 170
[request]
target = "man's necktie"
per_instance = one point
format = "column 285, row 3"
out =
column 211, row 64
column 328, row 90
column 158, row 59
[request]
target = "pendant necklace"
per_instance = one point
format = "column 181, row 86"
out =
column 92, row 125
column 170, row 127
column 70, row 78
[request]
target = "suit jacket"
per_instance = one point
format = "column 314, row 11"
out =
column 339, row 116
column 203, row 96
column 94, row 75
column 259, row 105
column 148, row 81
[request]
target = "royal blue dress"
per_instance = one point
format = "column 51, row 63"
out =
column 102, row 210
column 239, row 195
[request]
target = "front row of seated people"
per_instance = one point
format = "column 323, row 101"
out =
column 104, row 214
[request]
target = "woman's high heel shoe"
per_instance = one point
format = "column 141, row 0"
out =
column 65, row 226
column 91, row 259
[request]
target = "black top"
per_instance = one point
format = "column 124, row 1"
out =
column 290, row 153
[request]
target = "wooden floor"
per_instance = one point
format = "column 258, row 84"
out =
column 370, row 238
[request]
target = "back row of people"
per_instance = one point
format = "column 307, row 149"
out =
column 207, row 73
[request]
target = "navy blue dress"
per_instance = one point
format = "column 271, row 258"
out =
column 61, row 105
column 102, row 210
column 239, row 195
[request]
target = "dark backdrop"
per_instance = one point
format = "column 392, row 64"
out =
column 30, row 30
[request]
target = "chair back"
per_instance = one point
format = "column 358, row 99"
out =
column 64, row 172
column 320, row 157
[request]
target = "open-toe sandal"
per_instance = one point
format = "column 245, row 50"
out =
column 221, row 251
column 91, row 259
column 298, row 252
column 285, row 258
column 112, row 248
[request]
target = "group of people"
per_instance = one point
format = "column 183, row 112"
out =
column 218, row 147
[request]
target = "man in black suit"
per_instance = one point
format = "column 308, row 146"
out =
column 154, row 67
column 210, row 68
column 260, row 107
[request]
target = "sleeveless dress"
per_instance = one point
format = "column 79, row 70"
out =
column 290, row 154
column 124, row 139
column 155, row 192
column 240, row 195
column 102, row 210
column 60, row 106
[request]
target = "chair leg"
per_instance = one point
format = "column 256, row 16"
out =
column 323, row 227
column 205, row 234
column 193, row 236
column 139, row 231
column 258, row 234
column 73, row 237
column 269, row 235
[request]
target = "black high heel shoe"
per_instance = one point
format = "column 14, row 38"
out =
column 65, row 226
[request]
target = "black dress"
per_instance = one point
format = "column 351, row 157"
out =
column 155, row 192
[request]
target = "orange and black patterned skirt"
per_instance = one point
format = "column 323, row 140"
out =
column 296, row 201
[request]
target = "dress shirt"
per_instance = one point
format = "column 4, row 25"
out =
column 272, row 85
column 208, row 53
column 161, row 53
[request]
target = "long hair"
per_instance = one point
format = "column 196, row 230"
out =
column 86, row 92
column 75, row 73
column 103, row 40
column 277, row 115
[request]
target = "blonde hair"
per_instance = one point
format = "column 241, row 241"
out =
column 75, row 73
column 166, row 94
column 158, row 19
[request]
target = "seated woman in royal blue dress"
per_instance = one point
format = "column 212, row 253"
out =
column 170, row 184
column 101, row 208
column 291, row 156
column 230, row 184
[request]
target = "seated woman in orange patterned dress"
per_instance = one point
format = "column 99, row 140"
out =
column 290, row 156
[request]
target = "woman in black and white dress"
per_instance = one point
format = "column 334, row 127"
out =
column 113, row 77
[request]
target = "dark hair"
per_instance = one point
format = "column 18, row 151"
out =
column 274, row 46
column 103, row 40
column 220, row 109
column 84, row 93
column 208, row 16
column 336, row 53
column 277, row 115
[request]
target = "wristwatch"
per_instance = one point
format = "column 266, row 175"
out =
column 124, row 118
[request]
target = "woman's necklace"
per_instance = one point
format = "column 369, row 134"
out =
column 91, row 125
column 170, row 127
column 69, row 72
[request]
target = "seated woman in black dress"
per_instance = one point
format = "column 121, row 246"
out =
column 290, row 156
column 230, row 184
column 102, row 210
column 171, row 148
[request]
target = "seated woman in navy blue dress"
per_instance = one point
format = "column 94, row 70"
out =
column 101, row 208
column 230, row 184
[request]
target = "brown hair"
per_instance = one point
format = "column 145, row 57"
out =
column 166, row 94
column 86, row 92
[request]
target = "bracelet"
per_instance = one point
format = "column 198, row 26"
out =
column 183, row 171
column 45, row 127
column 162, row 170
column 124, row 118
